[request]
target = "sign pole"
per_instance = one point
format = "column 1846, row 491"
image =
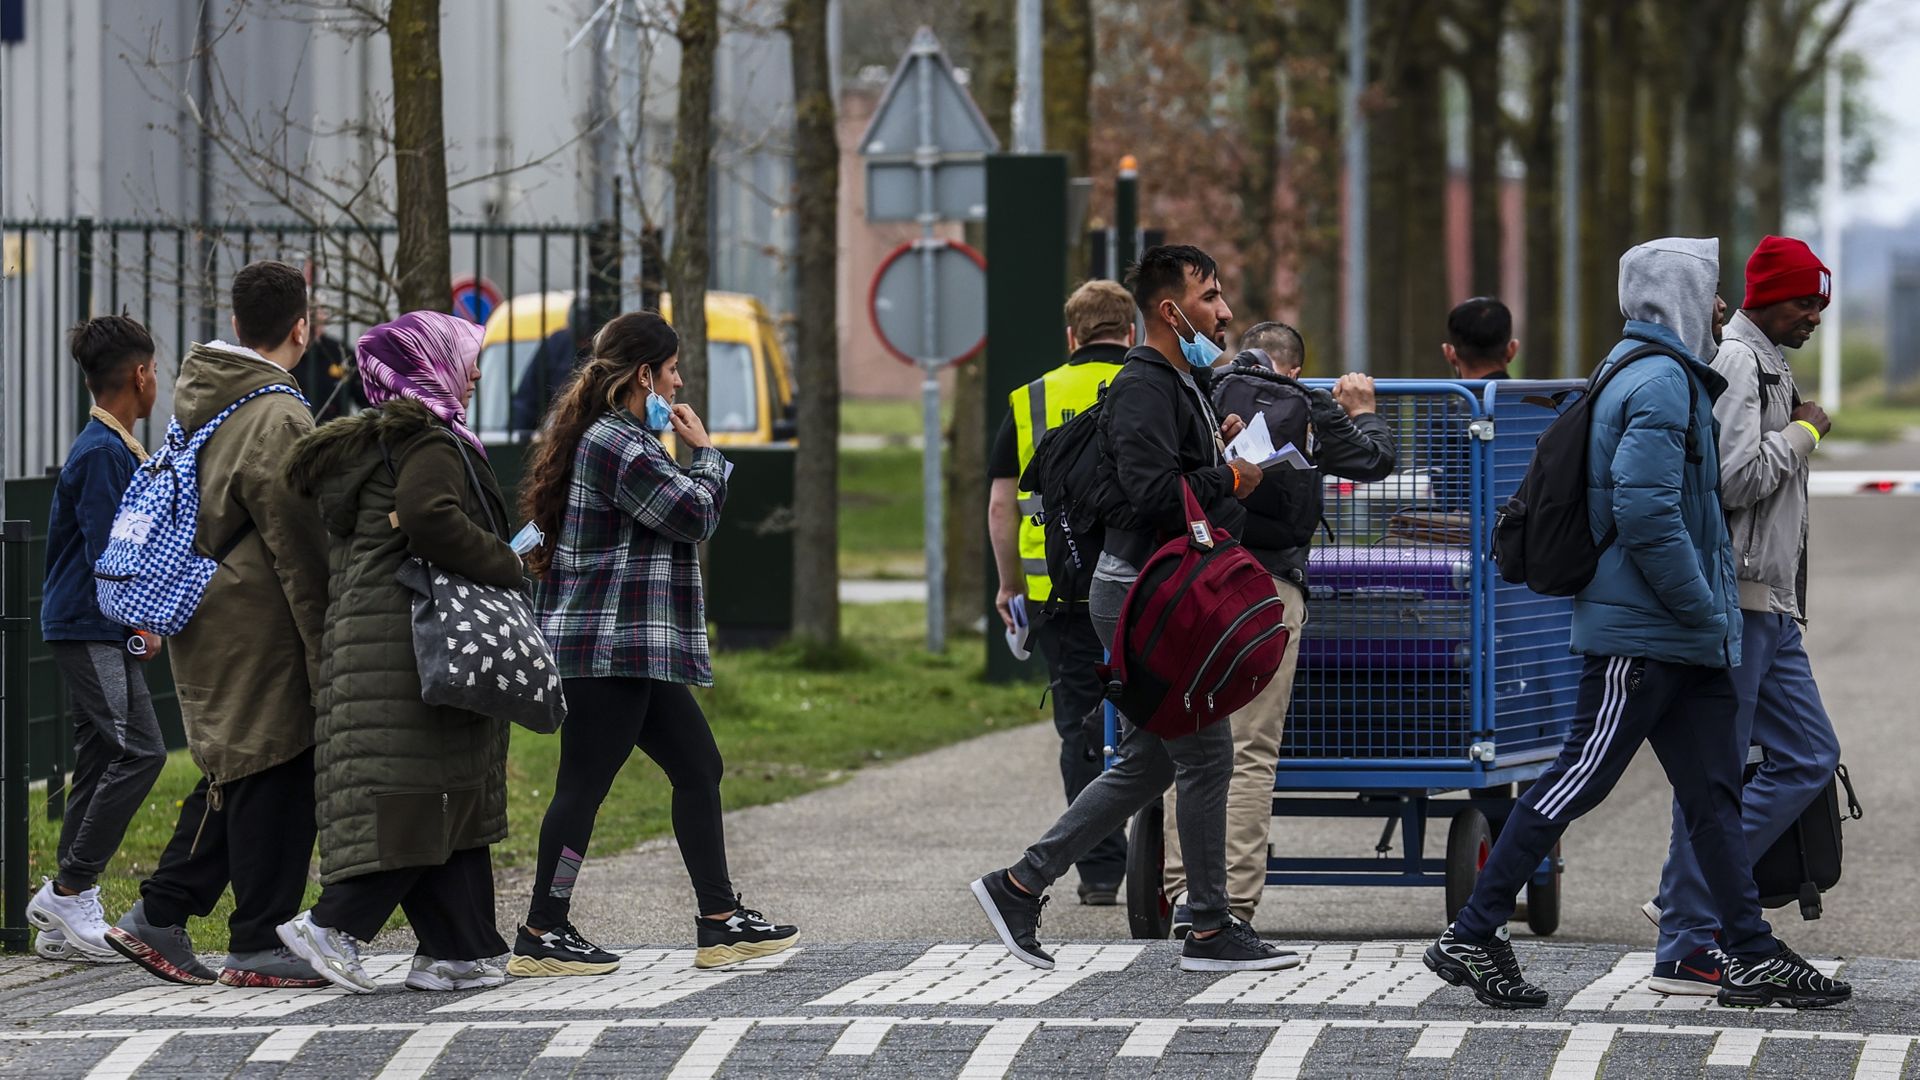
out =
column 933, row 519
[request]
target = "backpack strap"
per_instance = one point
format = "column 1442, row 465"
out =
column 1600, row 380
column 205, row 431
column 473, row 478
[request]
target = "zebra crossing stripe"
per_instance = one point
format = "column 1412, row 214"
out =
column 419, row 1052
column 574, row 1040
column 861, row 1038
column 1883, row 1056
column 127, row 1058
column 710, row 1049
column 994, row 1056
column 285, row 1043
column 1580, row 1056
column 1439, row 1041
column 1149, row 1038
column 1287, row 1051
column 1736, row 1048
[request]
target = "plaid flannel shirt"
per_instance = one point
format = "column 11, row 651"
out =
column 622, row 596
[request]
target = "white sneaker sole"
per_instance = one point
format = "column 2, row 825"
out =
column 1683, row 988
column 1273, row 963
column 1652, row 911
column 295, row 936
column 74, row 946
column 421, row 980
column 987, row 905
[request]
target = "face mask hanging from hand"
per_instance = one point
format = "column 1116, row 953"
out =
column 1201, row 352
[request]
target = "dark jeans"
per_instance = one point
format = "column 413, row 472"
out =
column 1687, row 713
column 606, row 720
column 449, row 906
column 119, row 754
column 1072, row 649
column 259, row 839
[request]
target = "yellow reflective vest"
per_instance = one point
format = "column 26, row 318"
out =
column 1038, row 407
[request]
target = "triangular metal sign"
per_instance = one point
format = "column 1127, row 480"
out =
column 956, row 123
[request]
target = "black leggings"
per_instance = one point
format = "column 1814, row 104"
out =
column 606, row 719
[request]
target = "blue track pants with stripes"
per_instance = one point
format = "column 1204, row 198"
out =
column 1687, row 713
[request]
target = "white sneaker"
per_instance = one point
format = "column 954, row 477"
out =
column 53, row 945
column 431, row 974
column 1651, row 909
column 332, row 953
column 78, row 919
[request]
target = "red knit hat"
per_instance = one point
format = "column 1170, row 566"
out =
column 1783, row 268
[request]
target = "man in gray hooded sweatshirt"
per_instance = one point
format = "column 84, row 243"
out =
column 1659, row 626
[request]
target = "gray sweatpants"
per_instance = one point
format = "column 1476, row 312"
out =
column 120, row 754
column 1199, row 766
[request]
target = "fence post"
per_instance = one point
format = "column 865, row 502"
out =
column 82, row 305
column 13, row 737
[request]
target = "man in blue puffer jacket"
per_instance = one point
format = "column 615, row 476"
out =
column 1659, row 626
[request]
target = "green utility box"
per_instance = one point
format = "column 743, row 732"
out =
column 750, row 559
column 1026, row 236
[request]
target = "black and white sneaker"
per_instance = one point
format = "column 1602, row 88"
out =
column 1235, row 948
column 559, row 951
column 1015, row 916
column 1490, row 969
column 1782, row 978
column 741, row 936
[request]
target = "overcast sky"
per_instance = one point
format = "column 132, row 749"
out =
column 1887, row 32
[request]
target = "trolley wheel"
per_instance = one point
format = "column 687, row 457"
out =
column 1149, row 910
column 1469, row 840
column 1543, row 899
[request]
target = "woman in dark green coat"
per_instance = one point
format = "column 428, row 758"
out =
column 408, row 795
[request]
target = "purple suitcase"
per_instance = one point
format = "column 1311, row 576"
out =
column 1388, row 607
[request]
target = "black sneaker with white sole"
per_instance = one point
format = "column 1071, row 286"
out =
column 1015, row 916
column 1234, row 948
column 1489, row 969
column 559, row 951
column 744, row 935
column 1782, row 978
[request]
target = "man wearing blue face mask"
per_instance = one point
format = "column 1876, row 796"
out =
column 1156, row 429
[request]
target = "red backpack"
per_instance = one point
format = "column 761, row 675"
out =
column 1201, row 632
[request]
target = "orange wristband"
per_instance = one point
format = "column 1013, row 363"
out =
column 1236, row 479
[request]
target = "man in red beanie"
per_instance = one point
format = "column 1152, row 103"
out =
column 1767, row 435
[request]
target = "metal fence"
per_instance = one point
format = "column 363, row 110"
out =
column 175, row 278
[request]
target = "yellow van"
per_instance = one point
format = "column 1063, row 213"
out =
column 749, row 383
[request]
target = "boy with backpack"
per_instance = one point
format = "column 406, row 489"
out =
column 1656, row 616
column 1161, row 455
column 119, row 751
column 1099, row 333
column 246, row 662
column 1344, row 437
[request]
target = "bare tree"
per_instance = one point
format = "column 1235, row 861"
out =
column 424, row 257
column 691, row 261
column 816, row 204
column 1792, row 42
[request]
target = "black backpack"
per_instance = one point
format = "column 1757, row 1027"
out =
column 1541, row 538
column 1290, row 499
column 1065, row 472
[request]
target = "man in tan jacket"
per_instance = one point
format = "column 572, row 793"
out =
column 247, row 663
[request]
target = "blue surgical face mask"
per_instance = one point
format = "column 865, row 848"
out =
column 1201, row 352
column 659, row 413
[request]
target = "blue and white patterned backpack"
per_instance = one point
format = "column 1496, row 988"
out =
column 149, row 578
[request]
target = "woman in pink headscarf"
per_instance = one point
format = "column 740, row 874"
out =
column 409, row 795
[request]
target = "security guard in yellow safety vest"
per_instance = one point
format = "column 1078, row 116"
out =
column 1100, row 330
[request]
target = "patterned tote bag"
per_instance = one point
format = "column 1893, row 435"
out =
column 479, row 647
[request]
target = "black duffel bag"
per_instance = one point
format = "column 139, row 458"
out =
column 1805, row 861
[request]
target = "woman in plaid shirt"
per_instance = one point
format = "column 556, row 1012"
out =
column 620, row 604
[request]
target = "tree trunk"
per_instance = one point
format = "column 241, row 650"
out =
column 1068, row 63
column 1611, row 83
column 1540, row 149
column 1763, row 172
column 990, row 44
column 1260, row 171
column 1717, row 30
column 1424, row 273
column 1313, row 164
column 1482, row 75
column 688, row 269
column 423, row 253
column 1662, row 86
column 816, row 205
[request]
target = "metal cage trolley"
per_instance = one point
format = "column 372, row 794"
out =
column 1421, row 674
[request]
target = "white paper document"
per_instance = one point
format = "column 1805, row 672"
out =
column 1255, row 444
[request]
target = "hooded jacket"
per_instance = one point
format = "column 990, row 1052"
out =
column 1763, row 470
column 246, row 664
column 1664, row 590
column 398, row 782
